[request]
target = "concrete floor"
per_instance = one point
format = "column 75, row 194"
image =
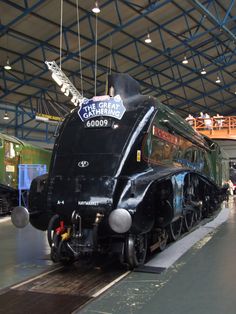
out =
column 202, row 281
column 23, row 253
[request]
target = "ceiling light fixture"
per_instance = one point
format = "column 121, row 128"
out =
column 6, row 116
column 96, row 9
column 64, row 88
column 148, row 39
column 218, row 80
column 185, row 61
column 56, row 79
column 7, row 66
column 203, row 71
column 67, row 92
column 62, row 80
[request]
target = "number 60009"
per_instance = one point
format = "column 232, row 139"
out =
column 101, row 123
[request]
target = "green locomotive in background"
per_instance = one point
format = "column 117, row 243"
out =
column 14, row 152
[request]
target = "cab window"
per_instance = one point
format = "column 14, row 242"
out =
column 189, row 155
column 195, row 156
column 157, row 150
column 9, row 150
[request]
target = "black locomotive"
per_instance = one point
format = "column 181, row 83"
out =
column 127, row 174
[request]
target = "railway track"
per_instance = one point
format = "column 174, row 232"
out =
column 62, row 290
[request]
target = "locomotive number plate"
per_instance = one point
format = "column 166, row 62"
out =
column 98, row 123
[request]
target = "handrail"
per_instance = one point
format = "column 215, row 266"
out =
column 221, row 127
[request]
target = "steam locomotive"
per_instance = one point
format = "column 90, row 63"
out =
column 14, row 152
column 127, row 175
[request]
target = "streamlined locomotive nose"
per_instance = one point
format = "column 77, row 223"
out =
column 84, row 193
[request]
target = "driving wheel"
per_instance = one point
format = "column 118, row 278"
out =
column 136, row 249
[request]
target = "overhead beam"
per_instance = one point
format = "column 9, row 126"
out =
column 202, row 9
